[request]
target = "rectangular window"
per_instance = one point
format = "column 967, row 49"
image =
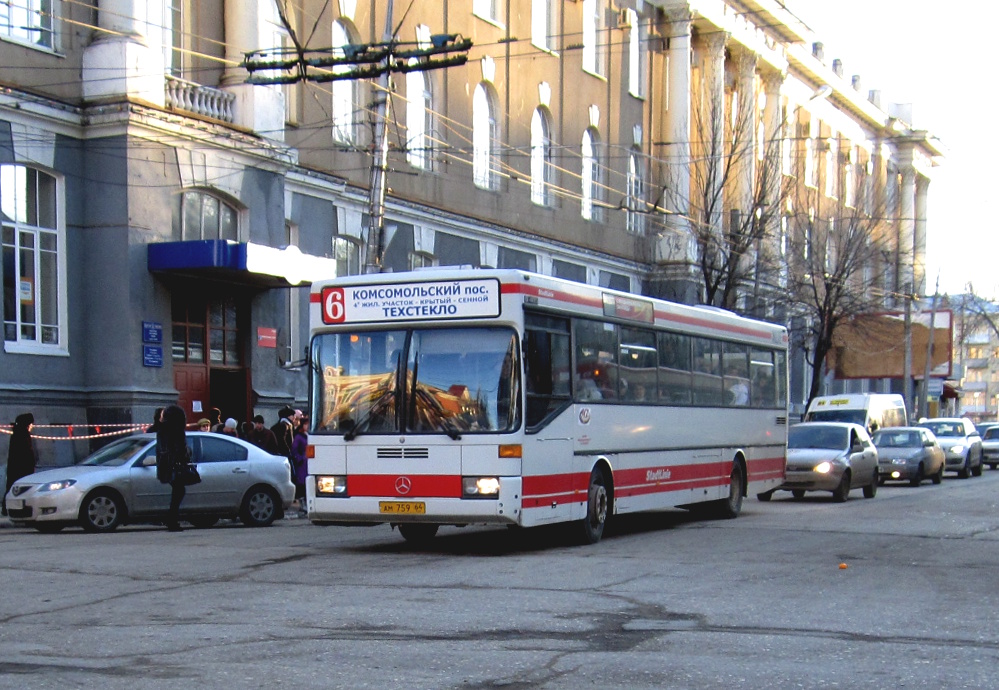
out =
column 638, row 55
column 543, row 22
column 638, row 360
column 674, row 369
column 595, row 375
column 546, row 349
column 28, row 21
column 594, row 49
column 490, row 10
column 32, row 266
column 707, row 372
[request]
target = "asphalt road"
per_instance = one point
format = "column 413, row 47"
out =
column 664, row 601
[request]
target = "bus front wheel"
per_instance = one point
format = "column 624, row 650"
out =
column 597, row 503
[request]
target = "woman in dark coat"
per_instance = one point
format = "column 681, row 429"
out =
column 300, row 463
column 171, row 456
column 21, row 458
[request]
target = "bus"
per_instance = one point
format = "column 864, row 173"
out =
column 502, row 397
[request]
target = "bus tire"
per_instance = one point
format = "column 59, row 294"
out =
column 729, row 508
column 591, row 528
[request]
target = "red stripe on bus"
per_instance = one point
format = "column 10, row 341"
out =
column 420, row 485
column 547, row 293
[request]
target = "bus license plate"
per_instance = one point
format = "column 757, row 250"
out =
column 402, row 507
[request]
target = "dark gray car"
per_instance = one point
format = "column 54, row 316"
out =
column 909, row 453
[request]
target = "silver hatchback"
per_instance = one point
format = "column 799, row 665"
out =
column 118, row 485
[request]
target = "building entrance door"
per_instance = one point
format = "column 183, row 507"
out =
column 208, row 354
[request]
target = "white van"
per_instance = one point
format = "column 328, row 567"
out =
column 873, row 410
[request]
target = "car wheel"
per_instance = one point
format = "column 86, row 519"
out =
column 591, row 528
column 202, row 522
column 938, row 477
column 842, row 492
column 965, row 471
column 992, row 465
column 260, row 507
column 765, row 496
column 49, row 528
column 729, row 508
column 871, row 490
column 798, row 493
column 418, row 533
column 102, row 511
column 976, row 471
column 917, row 478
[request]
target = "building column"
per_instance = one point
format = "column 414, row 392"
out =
column 677, row 246
column 712, row 117
column 771, row 182
column 907, row 225
column 919, row 238
column 126, row 55
column 249, row 26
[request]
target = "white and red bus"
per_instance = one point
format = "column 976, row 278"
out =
column 455, row 397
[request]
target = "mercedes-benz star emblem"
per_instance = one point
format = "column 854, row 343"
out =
column 403, row 485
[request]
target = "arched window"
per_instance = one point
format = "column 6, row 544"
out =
column 418, row 123
column 207, row 217
column 542, row 170
column 344, row 91
column 591, row 175
column 484, row 136
column 636, row 193
column 32, row 269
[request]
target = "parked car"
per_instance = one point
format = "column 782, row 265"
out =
column 909, row 453
column 984, row 426
column 829, row 456
column 990, row 446
column 961, row 442
column 118, row 485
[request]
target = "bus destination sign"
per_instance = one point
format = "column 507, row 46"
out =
column 453, row 299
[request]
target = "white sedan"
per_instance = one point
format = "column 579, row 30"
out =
column 118, row 485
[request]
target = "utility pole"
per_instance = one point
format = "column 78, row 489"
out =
column 924, row 396
column 907, row 367
column 369, row 60
column 379, row 164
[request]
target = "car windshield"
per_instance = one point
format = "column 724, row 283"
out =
column 449, row 381
column 117, row 453
column 897, row 439
column 851, row 416
column 832, row 437
column 945, row 428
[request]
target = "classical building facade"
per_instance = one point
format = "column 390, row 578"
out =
column 162, row 217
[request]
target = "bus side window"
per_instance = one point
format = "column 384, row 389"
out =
column 674, row 369
column 596, row 366
column 546, row 365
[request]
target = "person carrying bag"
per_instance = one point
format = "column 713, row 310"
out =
column 173, row 462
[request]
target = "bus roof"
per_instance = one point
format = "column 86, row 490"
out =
column 544, row 292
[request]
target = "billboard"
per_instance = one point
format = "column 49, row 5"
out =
column 873, row 345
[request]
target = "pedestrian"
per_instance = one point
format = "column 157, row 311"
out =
column 284, row 431
column 300, row 464
column 262, row 437
column 172, row 454
column 204, row 424
column 157, row 420
column 229, row 429
column 215, row 419
column 21, row 457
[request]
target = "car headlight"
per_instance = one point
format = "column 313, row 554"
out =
column 824, row 467
column 335, row 485
column 57, row 486
column 959, row 448
column 480, row 487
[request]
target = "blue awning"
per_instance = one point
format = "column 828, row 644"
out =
column 244, row 263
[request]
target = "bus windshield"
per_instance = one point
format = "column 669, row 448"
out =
column 435, row 381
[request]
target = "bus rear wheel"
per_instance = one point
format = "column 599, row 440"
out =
column 597, row 504
column 728, row 508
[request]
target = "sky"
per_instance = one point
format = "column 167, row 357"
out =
column 935, row 56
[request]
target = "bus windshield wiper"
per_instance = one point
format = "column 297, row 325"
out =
column 365, row 419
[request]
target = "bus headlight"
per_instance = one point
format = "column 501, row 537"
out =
column 480, row 487
column 331, row 485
